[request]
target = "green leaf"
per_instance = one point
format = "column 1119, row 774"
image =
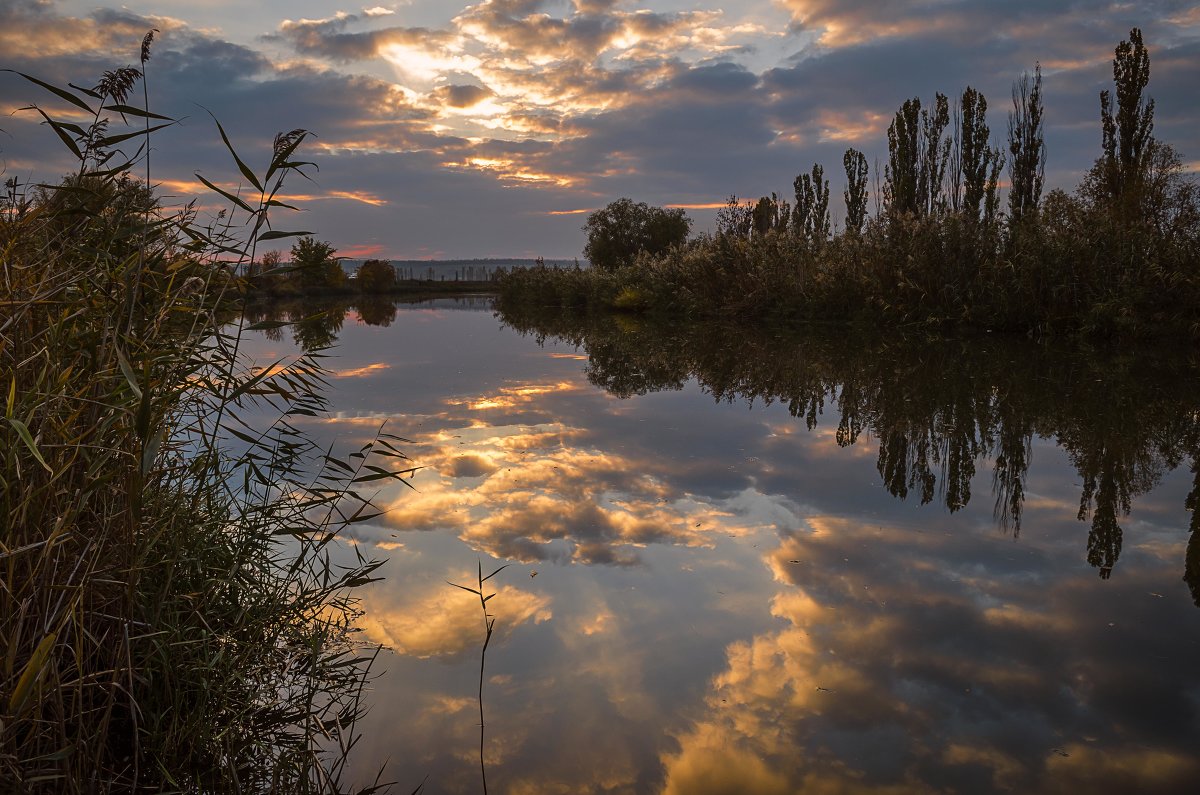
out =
column 116, row 139
column 273, row 235
column 130, row 110
column 128, row 372
column 376, row 476
column 67, row 95
column 31, row 673
column 91, row 92
column 245, row 169
column 497, row 571
column 150, row 453
column 62, row 133
column 27, row 438
column 226, row 194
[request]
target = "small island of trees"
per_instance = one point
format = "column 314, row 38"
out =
column 1118, row 256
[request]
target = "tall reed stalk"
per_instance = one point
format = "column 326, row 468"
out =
column 489, row 625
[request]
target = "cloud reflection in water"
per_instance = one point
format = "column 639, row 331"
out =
column 727, row 601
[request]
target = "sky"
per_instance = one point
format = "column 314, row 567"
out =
column 490, row 129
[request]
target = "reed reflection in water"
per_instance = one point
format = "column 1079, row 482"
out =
column 778, row 564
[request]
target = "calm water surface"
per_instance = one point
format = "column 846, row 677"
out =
column 748, row 564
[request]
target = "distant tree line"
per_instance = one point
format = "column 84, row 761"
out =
column 1119, row 255
column 315, row 269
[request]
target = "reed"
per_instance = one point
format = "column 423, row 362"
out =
column 170, row 613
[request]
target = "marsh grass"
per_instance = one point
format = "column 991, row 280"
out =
column 170, row 612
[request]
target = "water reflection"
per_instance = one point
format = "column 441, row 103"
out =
column 713, row 596
column 936, row 407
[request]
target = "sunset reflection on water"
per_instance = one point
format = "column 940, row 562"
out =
column 706, row 596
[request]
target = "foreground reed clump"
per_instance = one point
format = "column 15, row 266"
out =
column 170, row 615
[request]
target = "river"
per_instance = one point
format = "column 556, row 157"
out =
column 767, row 562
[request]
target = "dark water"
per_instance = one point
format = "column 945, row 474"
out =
column 745, row 563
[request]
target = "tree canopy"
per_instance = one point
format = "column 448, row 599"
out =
column 623, row 229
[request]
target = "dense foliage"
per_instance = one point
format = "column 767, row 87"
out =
column 624, row 229
column 170, row 616
column 1120, row 255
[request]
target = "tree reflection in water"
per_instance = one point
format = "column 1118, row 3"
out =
column 937, row 407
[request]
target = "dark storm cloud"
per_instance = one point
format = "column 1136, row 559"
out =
column 463, row 96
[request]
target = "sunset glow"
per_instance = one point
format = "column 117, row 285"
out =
column 530, row 109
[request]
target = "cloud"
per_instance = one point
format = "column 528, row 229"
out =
column 447, row 622
column 520, row 109
column 463, row 96
column 863, row 661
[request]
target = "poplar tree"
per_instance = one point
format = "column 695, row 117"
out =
column 856, row 190
column 810, row 218
column 935, row 154
column 918, row 153
column 974, row 154
column 1026, row 147
column 769, row 214
column 1127, row 134
column 901, row 174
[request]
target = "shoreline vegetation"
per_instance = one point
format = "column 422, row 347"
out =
column 171, row 614
column 1118, row 257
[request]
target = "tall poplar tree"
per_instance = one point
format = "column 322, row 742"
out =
column 1127, row 133
column 1026, row 147
column 856, row 190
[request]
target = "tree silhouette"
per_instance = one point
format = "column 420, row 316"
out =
column 1026, row 147
column 623, row 229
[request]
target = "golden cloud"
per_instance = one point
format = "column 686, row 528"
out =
column 365, row 370
column 447, row 621
column 540, row 491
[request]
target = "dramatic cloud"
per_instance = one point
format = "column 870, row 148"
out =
column 986, row 696
column 520, row 112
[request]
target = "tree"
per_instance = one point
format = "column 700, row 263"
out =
column 770, row 214
column 856, row 190
column 316, row 267
column 623, row 229
column 918, row 153
column 735, row 219
column 1127, row 135
column 376, row 276
column 810, row 219
column 263, row 275
column 935, row 154
column 904, row 158
column 974, row 154
column 1027, row 166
